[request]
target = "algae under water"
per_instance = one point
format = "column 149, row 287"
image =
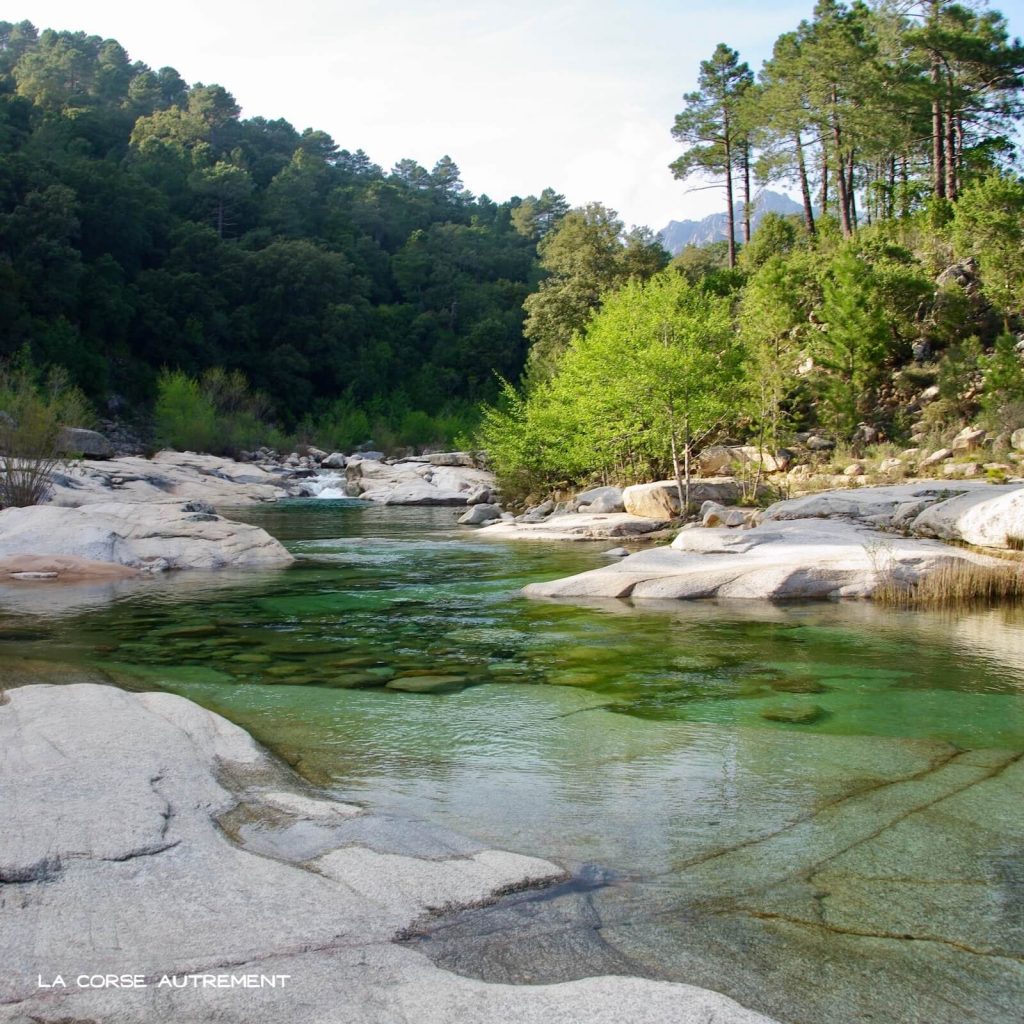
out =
column 812, row 808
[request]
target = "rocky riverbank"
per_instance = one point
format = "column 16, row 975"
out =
column 835, row 544
column 164, row 868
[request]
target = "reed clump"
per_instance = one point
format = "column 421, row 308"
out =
column 956, row 584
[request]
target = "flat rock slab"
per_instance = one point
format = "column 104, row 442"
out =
column 987, row 515
column 140, row 535
column 575, row 527
column 781, row 560
column 168, row 476
column 61, row 567
column 113, row 862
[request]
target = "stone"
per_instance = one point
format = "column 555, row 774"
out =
column 660, row 500
column 60, row 567
column 929, row 394
column 334, row 461
column 480, row 514
column 820, row 444
column 935, row 458
column 968, row 439
column 463, row 459
column 890, row 466
column 579, row 527
column 961, row 469
column 716, row 460
column 316, row 454
column 1017, row 439
column 135, row 785
column 600, row 500
column 480, row 496
column 168, row 476
column 854, row 469
column 616, row 553
column 89, row 443
column 794, row 714
column 140, row 535
column 712, row 514
column 987, row 516
column 778, row 560
column 428, row 684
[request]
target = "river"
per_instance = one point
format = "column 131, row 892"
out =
column 812, row 808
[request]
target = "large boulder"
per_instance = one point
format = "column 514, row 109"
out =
column 132, row 859
column 799, row 559
column 141, row 535
column 991, row 517
column 660, row 500
column 480, row 514
column 600, row 500
column 79, row 441
column 988, row 515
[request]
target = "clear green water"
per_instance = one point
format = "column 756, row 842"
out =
column 677, row 752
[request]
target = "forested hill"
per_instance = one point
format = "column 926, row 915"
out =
column 144, row 224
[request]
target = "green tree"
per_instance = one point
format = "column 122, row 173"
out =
column 714, row 129
column 585, row 256
column 989, row 225
column 848, row 352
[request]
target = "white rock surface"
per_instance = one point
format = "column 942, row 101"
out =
column 415, row 482
column 168, row 476
column 988, row 515
column 797, row 559
column 577, row 526
column 141, row 535
column 114, row 863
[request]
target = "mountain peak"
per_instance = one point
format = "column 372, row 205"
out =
column 678, row 234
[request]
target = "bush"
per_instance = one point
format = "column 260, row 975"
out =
column 32, row 414
column 219, row 413
column 183, row 418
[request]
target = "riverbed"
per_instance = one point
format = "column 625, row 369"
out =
column 812, row 808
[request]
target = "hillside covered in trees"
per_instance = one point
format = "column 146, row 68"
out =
column 144, row 224
column 889, row 308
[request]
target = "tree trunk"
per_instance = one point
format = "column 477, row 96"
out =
column 728, row 195
column 951, row 154
column 851, row 197
column 686, row 465
column 844, row 199
column 824, row 179
column 677, row 467
column 938, row 140
column 805, row 188
column 746, row 192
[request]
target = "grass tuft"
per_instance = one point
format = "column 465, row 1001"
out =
column 957, row 584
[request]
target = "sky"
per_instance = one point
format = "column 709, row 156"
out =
column 578, row 95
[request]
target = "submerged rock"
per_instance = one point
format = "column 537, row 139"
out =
column 137, row 788
column 795, row 714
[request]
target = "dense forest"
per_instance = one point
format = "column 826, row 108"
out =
column 889, row 310
column 251, row 282
column 145, row 225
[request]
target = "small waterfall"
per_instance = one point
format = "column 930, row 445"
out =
column 327, row 485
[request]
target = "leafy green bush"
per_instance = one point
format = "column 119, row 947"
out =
column 33, row 410
column 219, row 413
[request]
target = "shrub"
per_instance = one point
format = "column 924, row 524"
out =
column 183, row 418
column 32, row 414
